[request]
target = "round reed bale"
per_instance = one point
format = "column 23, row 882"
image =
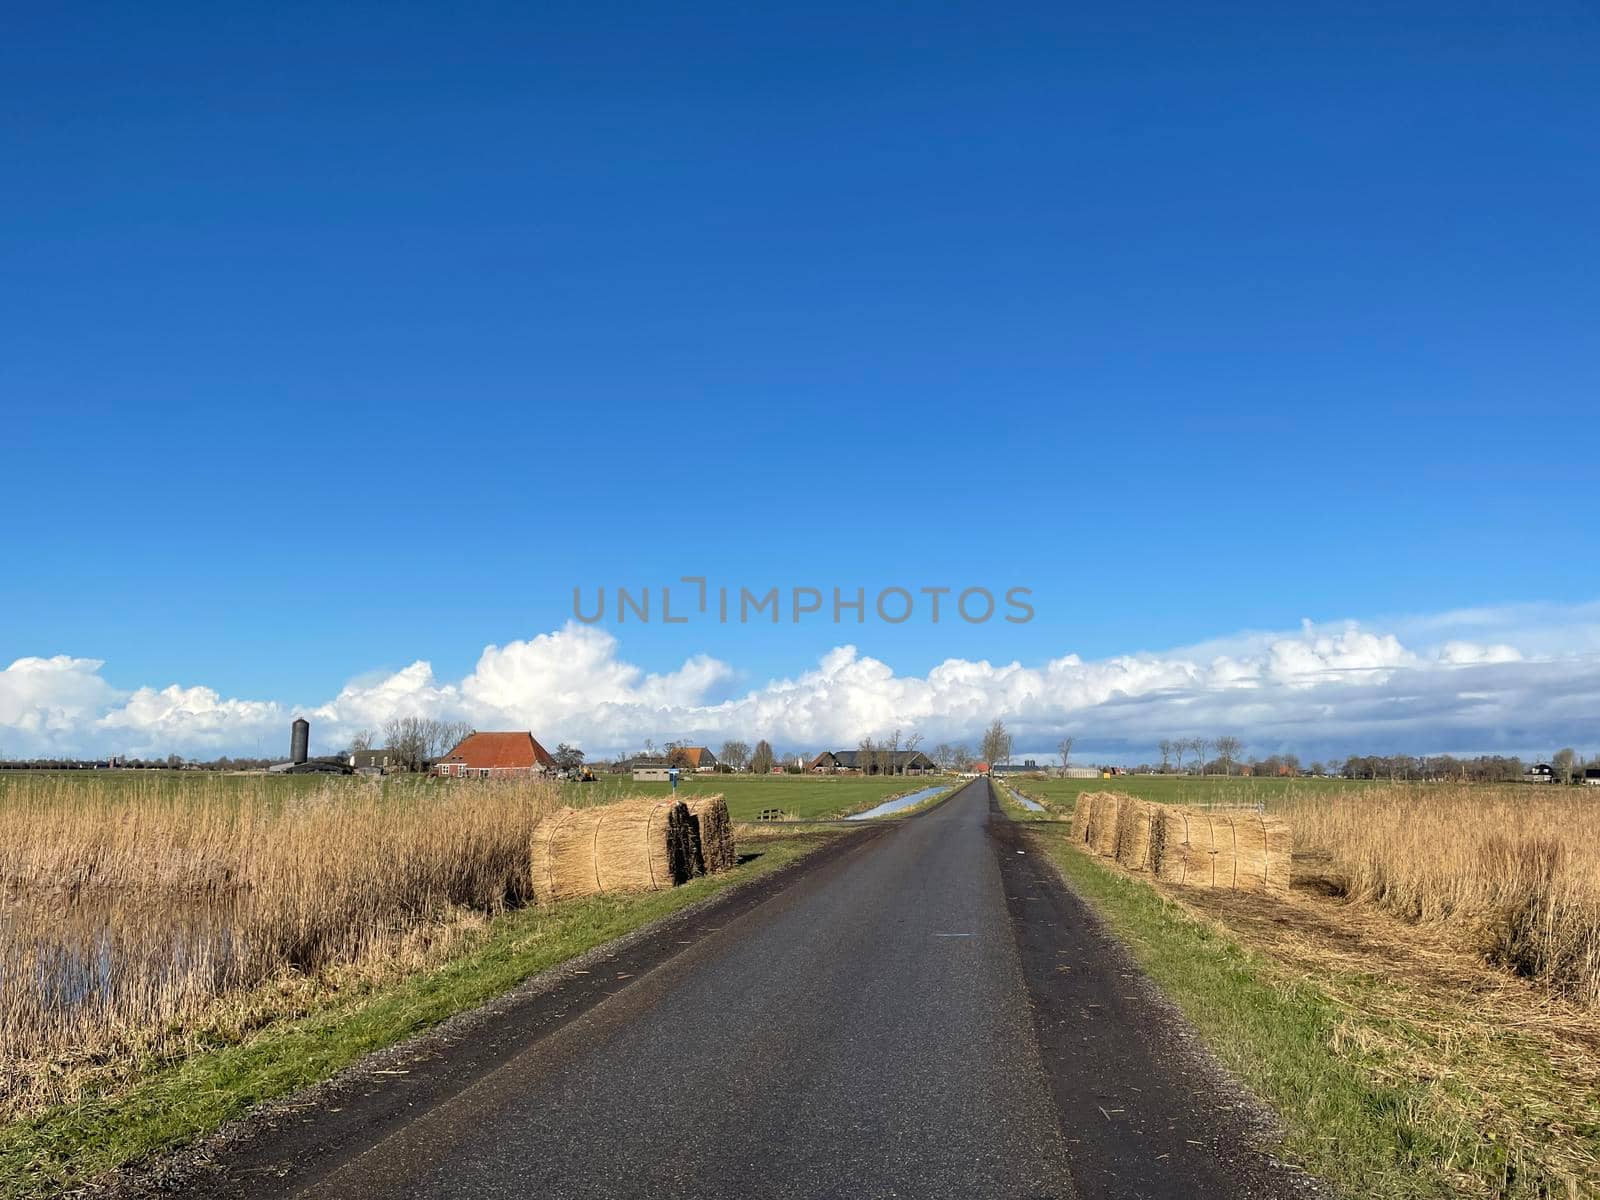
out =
column 1227, row 846
column 555, row 837
column 1133, row 833
column 1263, row 852
column 1200, row 857
column 1169, row 843
column 633, row 845
column 1103, row 826
column 1082, row 817
column 708, row 815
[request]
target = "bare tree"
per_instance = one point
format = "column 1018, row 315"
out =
column 996, row 746
column 889, row 754
column 1065, row 749
column 960, row 756
column 1165, row 746
column 362, row 740
column 735, row 755
column 1180, row 747
column 761, row 759
column 1565, row 763
column 866, row 755
column 406, row 742
column 912, row 743
column 1198, row 746
column 440, row 737
column 1228, row 748
column 944, row 755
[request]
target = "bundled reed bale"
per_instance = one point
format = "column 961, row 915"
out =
column 1103, row 822
column 1263, row 852
column 1169, row 843
column 1134, row 819
column 1082, row 818
column 713, row 833
column 631, row 846
column 1238, row 849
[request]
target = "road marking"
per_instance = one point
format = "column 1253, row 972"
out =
column 952, row 935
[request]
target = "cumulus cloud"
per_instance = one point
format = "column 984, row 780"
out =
column 48, row 698
column 1423, row 684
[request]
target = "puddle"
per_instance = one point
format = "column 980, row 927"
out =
column 894, row 806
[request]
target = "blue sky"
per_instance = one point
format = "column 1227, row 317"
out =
column 336, row 340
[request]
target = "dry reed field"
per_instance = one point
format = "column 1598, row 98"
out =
column 129, row 912
column 1516, row 870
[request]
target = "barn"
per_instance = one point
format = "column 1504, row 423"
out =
column 495, row 756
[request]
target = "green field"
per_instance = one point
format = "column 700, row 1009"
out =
column 1062, row 794
column 804, row 797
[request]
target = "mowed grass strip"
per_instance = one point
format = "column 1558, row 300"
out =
column 173, row 1102
column 1384, row 1090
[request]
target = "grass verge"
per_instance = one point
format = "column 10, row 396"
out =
column 173, row 1102
column 1374, row 1093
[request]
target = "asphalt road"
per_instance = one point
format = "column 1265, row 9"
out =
column 928, row 1013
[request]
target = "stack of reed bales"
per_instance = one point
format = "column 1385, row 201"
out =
column 630, row 846
column 713, row 831
column 1094, row 821
column 1238, row 849
column 639, row 845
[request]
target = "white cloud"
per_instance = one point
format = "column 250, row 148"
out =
column 45, row 698
column 1465, row 682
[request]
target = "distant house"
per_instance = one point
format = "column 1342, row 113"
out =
column 1539, row 773
column 377, row 762
column 1080, row 773
column 495, row 756
column 1591, row 777
column 648, row 768
column 694, row 758
column 888, row 762
column 1025, row 767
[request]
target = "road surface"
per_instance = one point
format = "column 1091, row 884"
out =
column 925, row 1012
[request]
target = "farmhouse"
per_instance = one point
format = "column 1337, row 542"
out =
column 889, row 762
column 1539, row 773
column 378, row 762
column 1591, row 777
column 694, row 758
column 494, row 755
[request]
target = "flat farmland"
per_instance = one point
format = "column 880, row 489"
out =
column 1062, row 794
column 801, row 797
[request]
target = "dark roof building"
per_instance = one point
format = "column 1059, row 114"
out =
column 378, row 760
column 1026, row 767
column 693, row 758
column 890, row 762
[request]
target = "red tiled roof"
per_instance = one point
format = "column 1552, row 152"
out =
column 694, row 753
column 500, row 750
